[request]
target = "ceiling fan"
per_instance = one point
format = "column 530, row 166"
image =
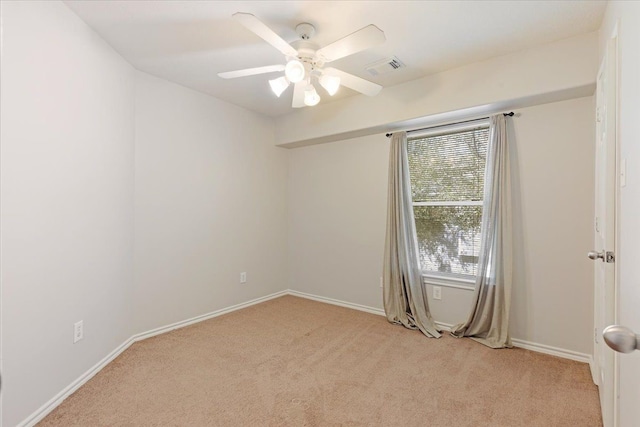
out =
column 305, row 63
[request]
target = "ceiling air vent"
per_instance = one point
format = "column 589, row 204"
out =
column 385, row 66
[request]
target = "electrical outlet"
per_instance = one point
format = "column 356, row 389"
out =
column 78, row 331
column 437, row 292
column 380, row 281
column 243, row 277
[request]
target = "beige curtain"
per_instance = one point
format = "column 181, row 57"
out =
column 405, row 296
column 488, row 322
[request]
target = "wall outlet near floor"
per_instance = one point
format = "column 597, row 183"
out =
column 78, row 331
column 381, row 281
column 243, row 277
column 437, row 292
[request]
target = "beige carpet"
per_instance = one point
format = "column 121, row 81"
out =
column 295, row 362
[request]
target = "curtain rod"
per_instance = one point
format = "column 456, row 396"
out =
column 510, row 114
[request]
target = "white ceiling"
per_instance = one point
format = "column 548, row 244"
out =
column 189, row 42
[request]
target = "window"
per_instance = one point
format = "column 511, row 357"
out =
column 447, row 186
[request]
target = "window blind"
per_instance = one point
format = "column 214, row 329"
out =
column 447, row 185
column 447, row 168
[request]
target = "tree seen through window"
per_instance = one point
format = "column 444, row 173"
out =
column 447, row 185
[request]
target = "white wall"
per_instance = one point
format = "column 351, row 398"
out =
column 103, row 166
column 552, row 72
column 553, row 304
column 210, row 203
column 337, row 214
column 627, row 15
column 67, row 201
column 338, row 211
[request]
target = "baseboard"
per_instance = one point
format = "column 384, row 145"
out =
column 340, row 303
column 203, row 317
column 553, row 351
column 45, row 409
column 443, row 326
column 540, row 348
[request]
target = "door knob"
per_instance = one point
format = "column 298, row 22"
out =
column 621, row 339
column 595, row 255
column 605, row 256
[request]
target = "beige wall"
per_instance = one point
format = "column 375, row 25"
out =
column 337, row 214
column 210, row 202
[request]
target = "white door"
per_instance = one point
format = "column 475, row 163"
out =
column 627, row 413
column 605, row 231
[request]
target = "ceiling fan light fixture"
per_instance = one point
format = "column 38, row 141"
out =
column 279, row 85
column 311, row 96
column 294, row 70
column 306, row 62
column 330, row 83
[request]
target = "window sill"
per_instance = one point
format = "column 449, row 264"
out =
column 466, row 284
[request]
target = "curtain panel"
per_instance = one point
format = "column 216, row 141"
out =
column 488, row 322
column 405, row 296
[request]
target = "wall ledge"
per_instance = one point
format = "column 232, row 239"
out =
column 451, row 116
column 551, row 72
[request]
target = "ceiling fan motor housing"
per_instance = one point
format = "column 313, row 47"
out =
column 305, row 30
column 307, row 55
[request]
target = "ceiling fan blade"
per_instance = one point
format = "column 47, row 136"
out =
column 362, row 39
column 267, row 34
column 251, row 71
column 298, row 94
column 354, row 82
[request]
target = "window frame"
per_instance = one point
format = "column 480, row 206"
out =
column 452, row 280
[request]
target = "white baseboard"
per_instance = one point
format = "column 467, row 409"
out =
column 332, row 301
column 553, row 351
column 203, row 317
column 540, row 348
column 443, row 326
column 527, row 345
column 45, row 409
